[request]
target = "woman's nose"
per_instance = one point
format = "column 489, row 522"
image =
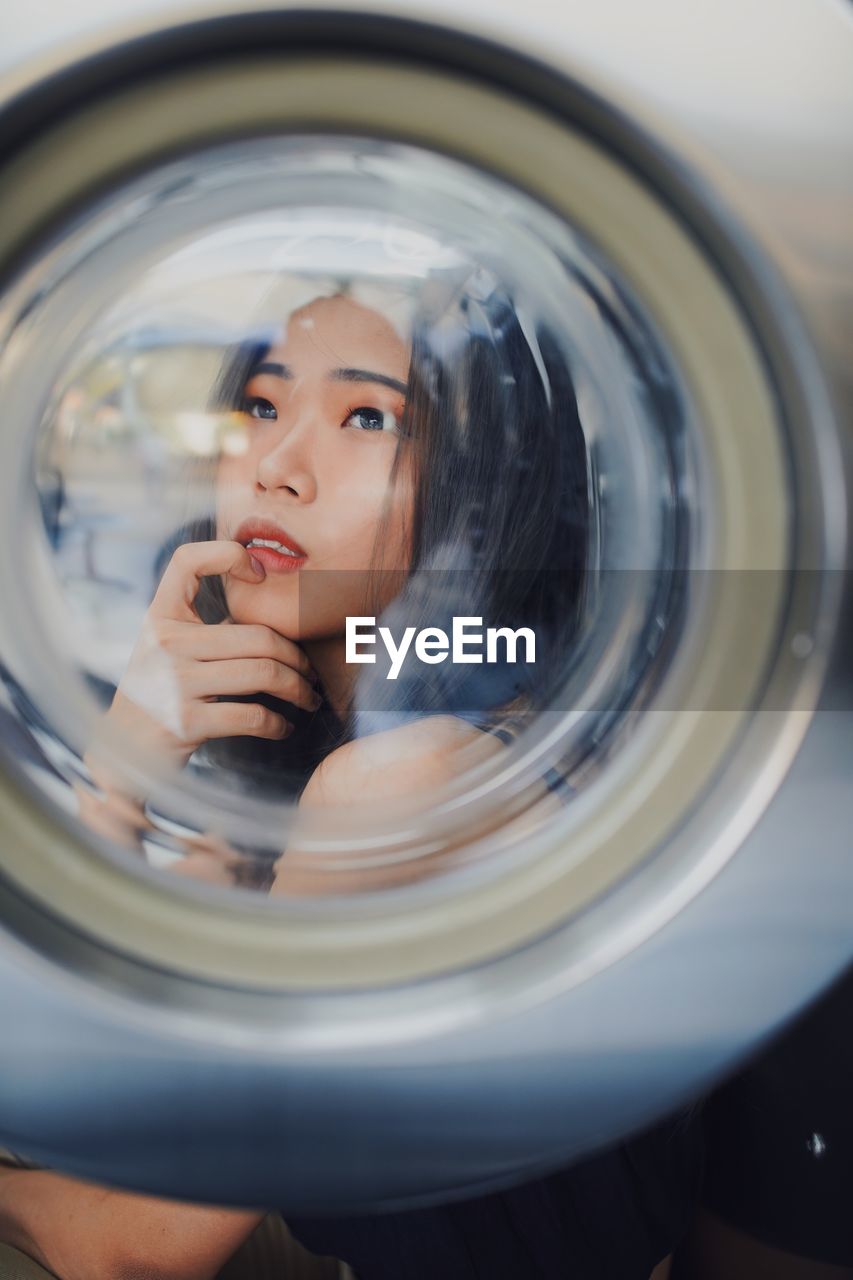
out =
column 287, row 463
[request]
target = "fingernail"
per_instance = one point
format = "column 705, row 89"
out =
column 258, row 567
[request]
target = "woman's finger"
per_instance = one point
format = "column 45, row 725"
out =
column 193, row 561
column 200, row 866
column 235, row 720
column 251, row 675
column 237, row 640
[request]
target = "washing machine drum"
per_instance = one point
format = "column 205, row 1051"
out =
column 366, row 349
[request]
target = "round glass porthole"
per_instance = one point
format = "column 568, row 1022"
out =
column 362, row 516
column 321, row 477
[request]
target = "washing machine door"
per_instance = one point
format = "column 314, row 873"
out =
column 560, row 303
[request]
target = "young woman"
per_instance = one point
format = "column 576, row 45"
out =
column 424, row 474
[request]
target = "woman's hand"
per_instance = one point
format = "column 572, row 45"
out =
column 79, row 1231
column 168, row 698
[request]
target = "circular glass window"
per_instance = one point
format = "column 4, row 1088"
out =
column 360, row 513
column 355, row 487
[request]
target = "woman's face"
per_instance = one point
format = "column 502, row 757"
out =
column 322, row 414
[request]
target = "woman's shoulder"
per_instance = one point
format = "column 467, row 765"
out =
column 422, row 755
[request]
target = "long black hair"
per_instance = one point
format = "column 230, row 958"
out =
column 500, row 523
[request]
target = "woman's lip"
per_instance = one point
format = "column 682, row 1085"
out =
column 268, row 531
column 276, row 561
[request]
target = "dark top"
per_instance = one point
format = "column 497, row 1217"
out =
column 611, row 1217
column 780, row 1137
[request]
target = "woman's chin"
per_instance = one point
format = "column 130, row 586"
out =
column 254, row 613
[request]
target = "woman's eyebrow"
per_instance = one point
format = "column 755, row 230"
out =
column 366, row 375
column 269, row 366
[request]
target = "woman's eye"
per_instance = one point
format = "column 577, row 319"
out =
column 257, row 407
column 369, row 419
